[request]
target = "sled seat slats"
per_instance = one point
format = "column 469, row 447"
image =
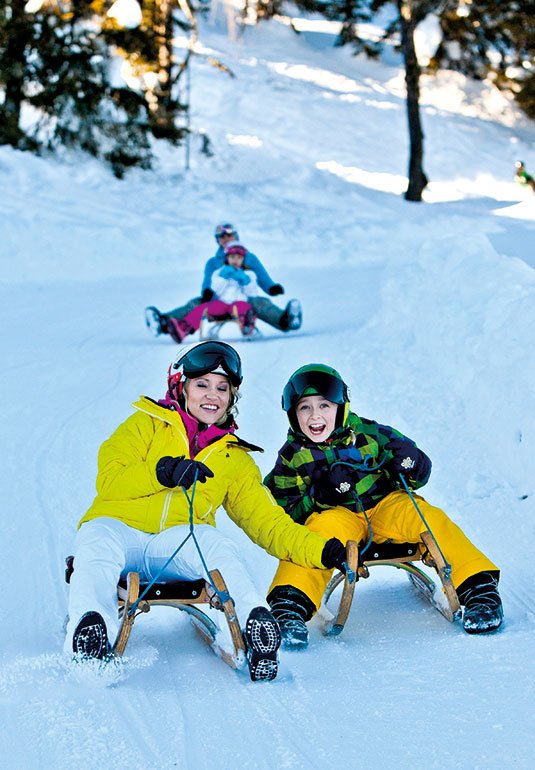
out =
column 388, row 551
column 179, row 590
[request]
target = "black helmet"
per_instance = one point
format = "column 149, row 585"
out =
column 315, row 380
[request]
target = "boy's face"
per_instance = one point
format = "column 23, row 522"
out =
column 236, row 260
column 316, row 417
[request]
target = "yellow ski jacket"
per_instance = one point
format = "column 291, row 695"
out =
column 128, row 490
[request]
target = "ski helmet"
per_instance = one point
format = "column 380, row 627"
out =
column 235, row 247
column 225, row 229
column 519, row 163
column 210, row 357
column 315, row 380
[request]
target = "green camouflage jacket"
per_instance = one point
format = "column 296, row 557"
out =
column 360, row 442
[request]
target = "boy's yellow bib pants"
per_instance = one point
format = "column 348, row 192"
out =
column 393, row 518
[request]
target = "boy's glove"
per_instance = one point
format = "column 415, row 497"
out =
column 409, row 460
column 332, row 486
column 178, row 472
column 334, row 554
column 207, row 295
column 276, row 289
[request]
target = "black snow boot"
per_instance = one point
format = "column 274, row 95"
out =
column 90, row 639
column 262, row 639
column 483, row 611
column 156, row 322
column 291, row 609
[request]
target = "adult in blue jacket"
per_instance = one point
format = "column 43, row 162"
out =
column 287, row 319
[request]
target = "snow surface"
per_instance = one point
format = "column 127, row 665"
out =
column 428, row 311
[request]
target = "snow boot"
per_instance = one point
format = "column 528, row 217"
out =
column 483, row 611
column 247, row 322
column 291, row 609
column 156, row 322
column 90, row 638
column 178, row 329
column 263, row 639
column 292, row 317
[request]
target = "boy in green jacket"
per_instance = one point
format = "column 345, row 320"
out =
column 339, row 475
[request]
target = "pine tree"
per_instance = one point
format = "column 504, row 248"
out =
column 80, row 107
column 485, row 37
column 59, row 60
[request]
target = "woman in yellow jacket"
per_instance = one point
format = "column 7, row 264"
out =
column 142, row 510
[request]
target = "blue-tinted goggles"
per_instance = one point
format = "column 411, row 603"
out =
column 209, row 356
column 318, row 383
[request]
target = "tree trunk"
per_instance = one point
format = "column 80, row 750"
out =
column 14, row 72
column 163, row 27
column 417, row 177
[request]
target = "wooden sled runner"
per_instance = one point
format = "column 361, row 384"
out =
column 187, row 595
column 211, row 326
column 401, row 556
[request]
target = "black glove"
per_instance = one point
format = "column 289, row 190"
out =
column 178, row 472
column 334, row 554
column 409, row 460
column 275, row 289
column 333, row 486
column 207, row 295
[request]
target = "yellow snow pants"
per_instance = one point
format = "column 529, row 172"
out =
column 393, row 518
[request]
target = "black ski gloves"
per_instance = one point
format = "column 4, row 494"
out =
column 409, row 460
column 334, row 485
column 334, row 554
column 275, row 289
column 178, row 472
column 207, row 295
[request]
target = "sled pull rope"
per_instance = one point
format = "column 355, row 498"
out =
column 360, row 507
column 223, row 595
column 447, row 568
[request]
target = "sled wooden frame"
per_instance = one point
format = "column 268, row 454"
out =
column 382, row 554
column 211, row 326
column 188, row 596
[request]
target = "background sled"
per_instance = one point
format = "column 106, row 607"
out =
column 186, row 595
column 211, row 326
column 401, row 556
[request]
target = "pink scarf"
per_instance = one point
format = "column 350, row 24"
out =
column 198, row 437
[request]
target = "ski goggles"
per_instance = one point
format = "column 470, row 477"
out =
column 314, row 384
column 225, row 230
column 211, row 356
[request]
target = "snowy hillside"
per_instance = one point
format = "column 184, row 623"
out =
column 427, row 310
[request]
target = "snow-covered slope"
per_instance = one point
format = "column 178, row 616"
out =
column 428, row 311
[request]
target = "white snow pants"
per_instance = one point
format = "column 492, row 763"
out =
column 107, row 549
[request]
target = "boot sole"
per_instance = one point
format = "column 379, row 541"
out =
column 263, row 639
column 90, row 639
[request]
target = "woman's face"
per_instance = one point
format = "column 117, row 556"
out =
column 316, row 417
column 208, row 397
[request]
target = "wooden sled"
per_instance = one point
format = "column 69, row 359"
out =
column 187, row 595
column 211, row 326
column 401, row 556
